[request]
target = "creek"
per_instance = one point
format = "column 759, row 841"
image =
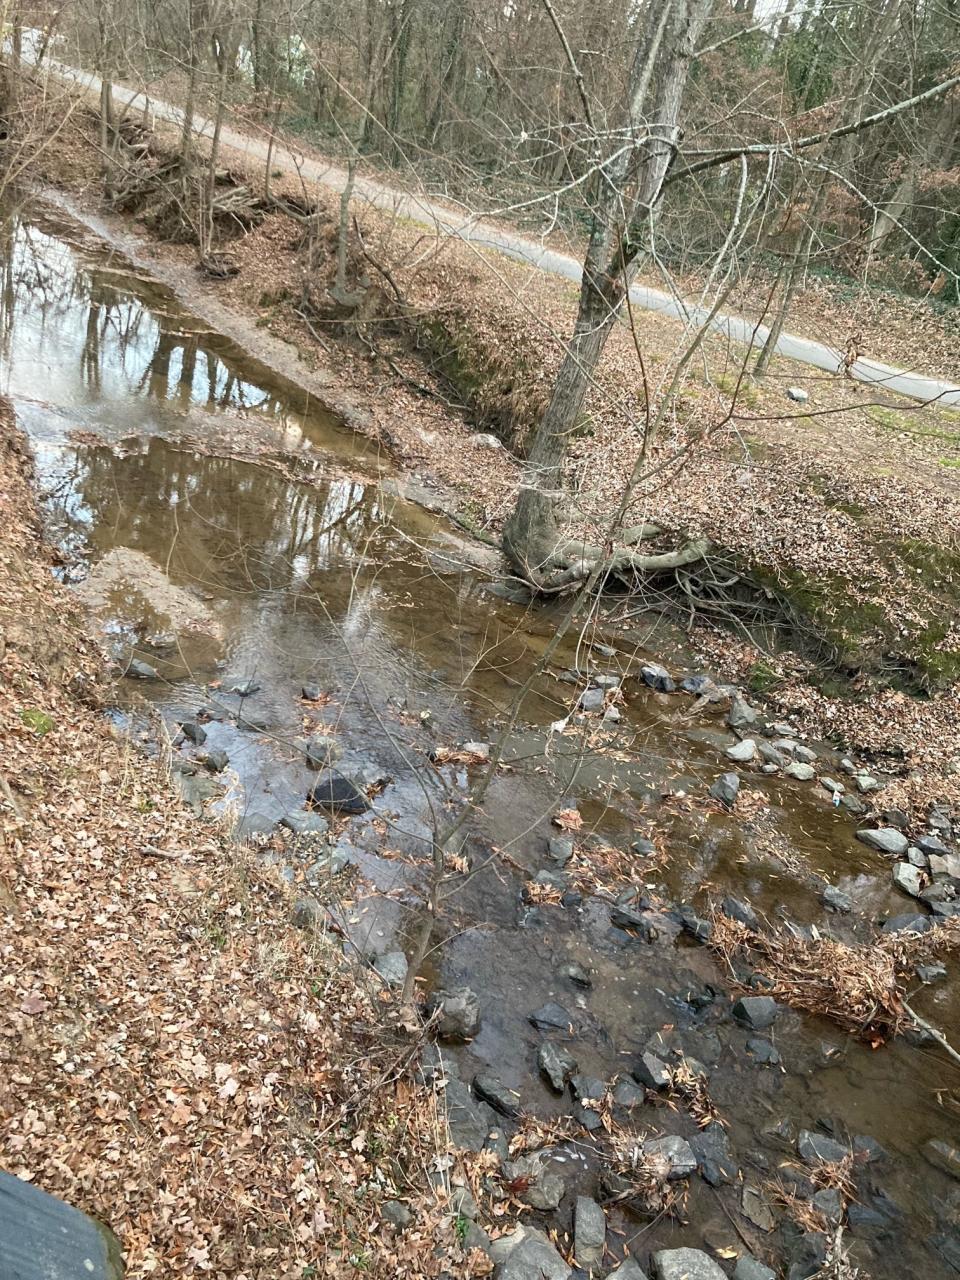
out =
column 224, row 527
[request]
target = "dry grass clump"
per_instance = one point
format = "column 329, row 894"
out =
column 856, row 987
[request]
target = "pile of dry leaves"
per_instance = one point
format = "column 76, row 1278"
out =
column 223, row 1090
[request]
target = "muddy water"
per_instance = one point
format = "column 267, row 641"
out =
column 309, row 567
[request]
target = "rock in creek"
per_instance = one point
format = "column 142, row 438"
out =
column 755, row 1209
column 216, row 761
column 244, row 688
column 715, row 1160
column 138, row 670
column 627, row 1095
column 757, row 1012
column 932, row 846
column 806, row 755
column 816, row 1148
column 491, row 1089
column 908, row 878
column 459, row 1013
column 311, row 693
column 657, row 677
column 800, row 771
column 556, row 1064
column 762, row 1051
column 576, row 974
column 305, row 824
column 931, row 972
column 736, row 909
column 589, row 1233
column 528, row 1255
column 552, row 1017
column 947, row 864
column 543, row 1188
column 592, row 700
column 885, row 840
column 338, row 794
column 943, row 1156
column 652, row 1072
column 698, row 684
column 833, row 786
column 321, row 752
column 835, row 899
column 673, row 1155
column 725, row 789
column 743, row 752
column 629, row 1269
column 866, row 783
column 748, row 1268
column 742, row 715
column 560, row 848
column 392, row 968
column 685, row 1264
column 909, row 922
column 194, row 732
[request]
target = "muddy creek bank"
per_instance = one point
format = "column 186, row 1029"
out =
column 263, row 584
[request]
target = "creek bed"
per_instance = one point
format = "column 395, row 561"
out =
column 225, row 529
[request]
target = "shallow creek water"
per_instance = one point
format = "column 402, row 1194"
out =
column 308, row 565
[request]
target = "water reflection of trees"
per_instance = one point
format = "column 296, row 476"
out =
column 217, row 522
column 83, row 315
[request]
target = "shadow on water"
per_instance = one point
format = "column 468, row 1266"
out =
column 215, row 571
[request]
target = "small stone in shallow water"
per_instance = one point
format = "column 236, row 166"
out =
column 763, row 1051
column 321, row 752
column 589, row 1233
column 643, row 848
column 847, row 765
column 491, row 1089
column 612, row 715
column 885, row 840
column 698, row 684
column 736, row 909
column 741, row 715
column 800, row 771
column 835, row 899
column 832, row 785
column 816, row 1148
column 932, row 846
column 866, row 783
column 908, row 878
column 674, row 1154
column 749, row 1268
column 305, row 824
column 909, row 922
column 806, row 755
column 392, row 968
column 627, row 1095
column 757, row 1012
column 725, row 789
column 755, row 1209
column 931, row 972
column 652, row 1072
column 138, row 670
column 657, row 677
column 551, row 1017
column 592, row 700
column 544, row 1186
column 459, row 1013
column 560, row 848
column 686, row 1264
column 556, row 1064
column 629, row 1269
column 216, row 761
column 193, row 732
column 338, row 794
column 244, row 688
column 943, row 1156
column 310, row 693
column 743, row 751
column 576, row 974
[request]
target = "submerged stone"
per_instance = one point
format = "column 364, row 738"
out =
column 657, row 677
column 885, row 840
column 726, row 789
column 338, row 794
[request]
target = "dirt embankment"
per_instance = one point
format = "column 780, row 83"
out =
column 221, row 1088
column 843, row 512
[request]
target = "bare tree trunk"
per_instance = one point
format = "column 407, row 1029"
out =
column 663, row 57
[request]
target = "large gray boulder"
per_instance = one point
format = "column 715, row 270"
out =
column 43, row 1237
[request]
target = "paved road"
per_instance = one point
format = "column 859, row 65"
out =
column 420, row 209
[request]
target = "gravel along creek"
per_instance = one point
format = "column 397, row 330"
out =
column 279, row 606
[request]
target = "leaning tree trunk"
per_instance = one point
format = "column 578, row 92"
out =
column 632, row 181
